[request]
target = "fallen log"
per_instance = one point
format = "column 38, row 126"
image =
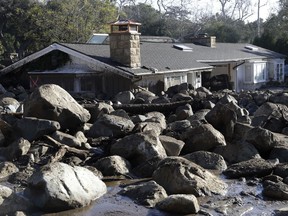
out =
column 83, row 154
column 165, row 108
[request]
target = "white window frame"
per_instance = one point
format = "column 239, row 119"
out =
column 248, row 73
column 255, row 72
column 279, row 69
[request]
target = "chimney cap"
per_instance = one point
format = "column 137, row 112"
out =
column 125, row 22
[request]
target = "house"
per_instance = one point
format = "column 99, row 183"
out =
column 124, row 62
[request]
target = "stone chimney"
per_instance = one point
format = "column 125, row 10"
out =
column 202, row 39
column 125, row 43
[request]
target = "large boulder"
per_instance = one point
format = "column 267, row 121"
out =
column 7, row 169
column 9, row 104
column 113, row 166
column 31, row 128
column 110, row 126
column 11, row 202
column 237, row 152
column 52, row 102
column 172, row 146
column 181, row 176
column 271, row 116
column 203, row 137
column 265, row 140
column 179, row 204
column 281, row 98
column 98, row 109
column 67, row 139
column 15, row 150
column 58, row 187
column 223, row 118
column 256, row 167
column 275, row 190
column 207, row 160
column 147, row 193
column 139, row 147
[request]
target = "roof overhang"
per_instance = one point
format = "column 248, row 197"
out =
column 55, row 46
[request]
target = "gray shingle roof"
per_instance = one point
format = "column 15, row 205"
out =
column 165, row 58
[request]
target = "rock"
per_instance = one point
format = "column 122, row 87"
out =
column 52, row 102
column 96, row 110
column 156, row 117
column 183, row 112
column 280, row 152
column 199, row 115
column 149, row 126
column 179, row 126
column 181, row 176
column 9, row 104
column 261, row 97
column 254, row 167
column 139, row 147
column 207, row 160
column 160, row 100
column 2, row 89
column 281, row 170
column 271, row 116
column 264, row 140
column 146, row 169
column 31, row 128
column 223, row 118
column 181, row 97
column 7, row 169
column 275, row 190
column 58, row 187
column 147, row 193
column 121, row 113
column 10, row 202
column 237, row 152
column 15, row 150
column 179, row 204
column 2, row 139
column 171, row 145
column 110, row 126
column 147, row 96
column 113, row 166
column 279, row 98
column 124, row 97
column 203, row 137
column 240, row 130
column 66, row 139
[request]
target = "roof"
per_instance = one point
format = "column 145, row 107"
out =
column 158, row 57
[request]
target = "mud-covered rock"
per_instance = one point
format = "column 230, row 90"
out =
column 7, row 168
column 147, row 193
column 275, row 190
column 58, row 187
column 11, row 202
column 257, row 167
column 52, row 102
column 179, row 204
column 139, row 147
column 181, row 176
column 237, row 152
column 110, row 126
column 113, row 166
column 31, row 128
column 171, row 145
column 207, row 160
column 203, row 137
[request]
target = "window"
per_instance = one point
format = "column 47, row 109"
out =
column 279, row 72
column 260, row 72
column 255, row 72
column 248, row 73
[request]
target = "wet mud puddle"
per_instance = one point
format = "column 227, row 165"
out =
column 242, row 198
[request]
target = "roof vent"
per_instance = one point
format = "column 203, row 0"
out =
column 251, row 48
column 183, row 47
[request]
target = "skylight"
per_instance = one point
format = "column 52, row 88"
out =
column 251, row 48
column 183, row 47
